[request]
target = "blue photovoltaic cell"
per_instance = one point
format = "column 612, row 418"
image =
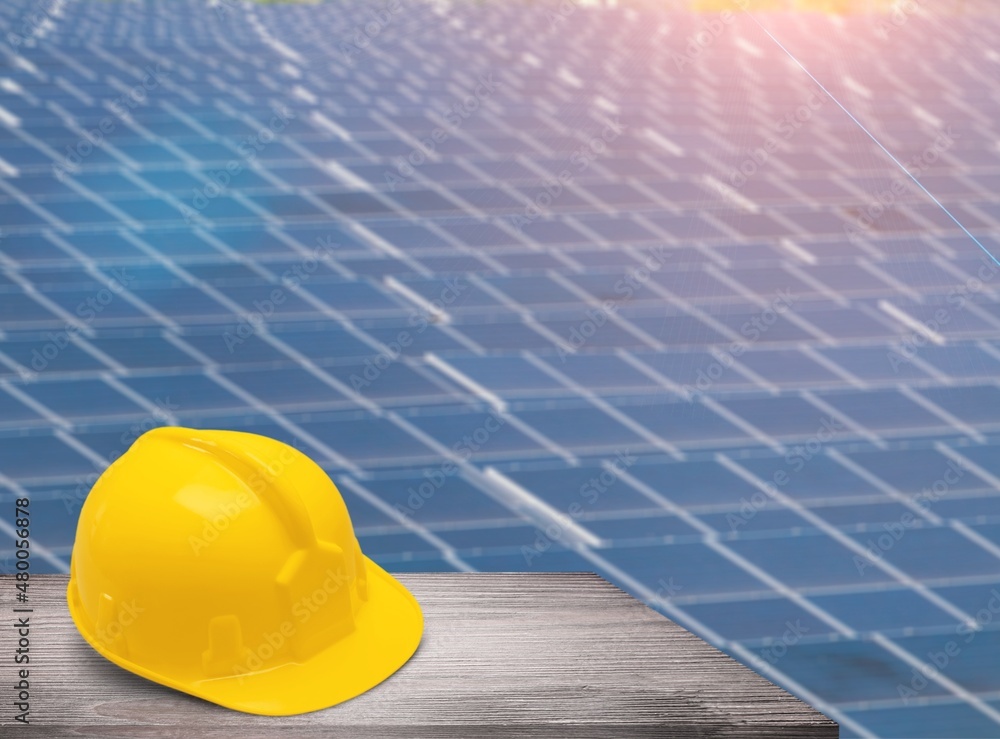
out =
column 762, row 392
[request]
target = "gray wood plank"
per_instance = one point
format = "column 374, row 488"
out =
column 522, row 655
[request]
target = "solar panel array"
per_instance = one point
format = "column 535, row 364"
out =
column 543, row 286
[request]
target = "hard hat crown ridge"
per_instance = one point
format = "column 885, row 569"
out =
column 224, row 564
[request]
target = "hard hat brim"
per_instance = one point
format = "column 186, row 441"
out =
column 387, row 632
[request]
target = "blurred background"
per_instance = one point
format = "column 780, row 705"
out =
column 545, row 286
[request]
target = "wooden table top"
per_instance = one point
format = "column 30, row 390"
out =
column 514, row 655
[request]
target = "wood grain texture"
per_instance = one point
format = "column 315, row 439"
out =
column 503, row 655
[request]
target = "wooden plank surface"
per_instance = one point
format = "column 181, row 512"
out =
column 513, row 655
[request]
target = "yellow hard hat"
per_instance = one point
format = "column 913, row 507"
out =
column 225, row 565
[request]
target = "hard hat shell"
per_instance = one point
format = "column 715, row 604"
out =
column 225, row 565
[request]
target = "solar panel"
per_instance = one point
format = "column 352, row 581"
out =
column 371, row 254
